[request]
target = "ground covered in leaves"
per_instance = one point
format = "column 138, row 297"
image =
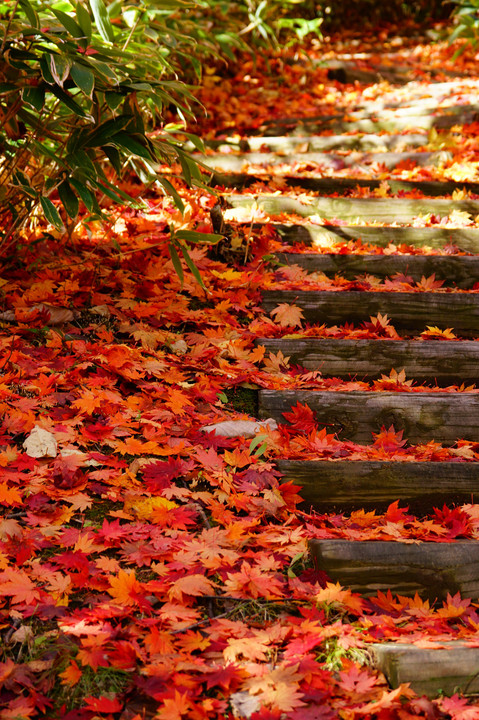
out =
column 149, row 567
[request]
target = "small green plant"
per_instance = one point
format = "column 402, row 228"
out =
column 466, row 23
column 83, row 87
column 332, row 654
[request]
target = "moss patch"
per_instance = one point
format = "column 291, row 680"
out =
column 244, row 400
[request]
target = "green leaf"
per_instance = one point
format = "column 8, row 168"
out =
column 102, row 20
column 69, row 23
column 256, row 441
column 174, row 194
column 176, row 263
column 30, row 13
column 191, row 236
column 192, row 266
column 59, row 68
column 45, row 69
column 67, row 100
column 51, row 213
column 69, row 199
column 84, row 20
column 34, row 96
column 114, row 157
column 83, row 78
column 85, row 195
column 131, row 144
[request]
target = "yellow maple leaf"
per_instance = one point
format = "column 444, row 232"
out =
column 144, row 507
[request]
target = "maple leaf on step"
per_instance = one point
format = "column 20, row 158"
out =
column 437, row 334
column 429, row 283
column 301, row 418
column 287, row 315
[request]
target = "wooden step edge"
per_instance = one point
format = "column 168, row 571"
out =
column 411, row 312
column 327, row 236
column 286, row 143
column 347, row 485
column 429, row 188
column 386, row 210
column 432, row 569
column 440, row 362
column 447, row 667
column 456, row 270
column 355, row 415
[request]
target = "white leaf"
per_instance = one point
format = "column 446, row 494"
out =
column 40, row 443
column 244, row 704
column 241, row 428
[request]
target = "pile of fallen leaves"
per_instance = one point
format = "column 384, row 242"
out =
column 151, row 563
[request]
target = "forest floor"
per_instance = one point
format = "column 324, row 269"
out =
column 150, row 567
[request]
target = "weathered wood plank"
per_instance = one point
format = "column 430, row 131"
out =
column 345, row 485
column 445, row 363
column 408, row 311
column 452, row 667
column 388, row 210
column 459, row 270
column 431, row 188
column 467, row 239
column 231, row 163
column 423, row 416
column 431, row 569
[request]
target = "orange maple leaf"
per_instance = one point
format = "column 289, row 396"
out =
column 71, row 675
column 9, row 495
column 17, row 585
column 194, row 585
column 251, row 582
column 124, row 588
column 287, row 315
column 178, row 402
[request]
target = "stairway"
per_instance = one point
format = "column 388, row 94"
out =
column 308, row 156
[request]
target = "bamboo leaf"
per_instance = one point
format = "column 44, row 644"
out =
column 175, row 259
column 102, row 20
column 69, row 199
column 51, row 213
column 83, row 78
column 192, row 267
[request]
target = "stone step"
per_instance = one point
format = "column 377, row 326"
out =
column 385, row 210
column 232, row 163
column 444, row 668
column 456, row 270
column 431, row 188
column 346, row 485
column 432, row 569
column 356, row 415
column 393, row 124
column 441, row 362
column 319, row 143
column 326, row 236
column 410, row 312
